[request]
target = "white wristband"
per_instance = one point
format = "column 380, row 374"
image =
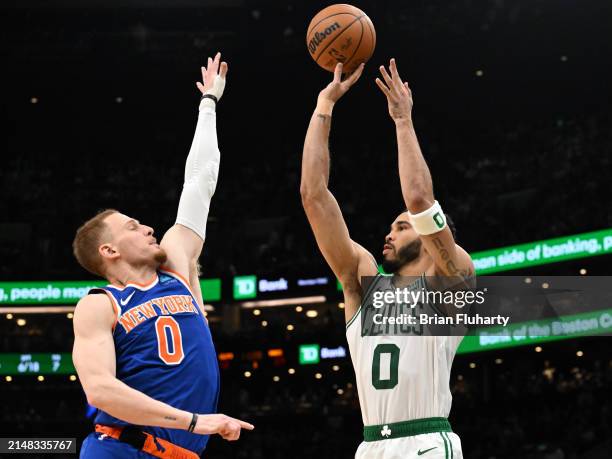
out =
column 429, row 221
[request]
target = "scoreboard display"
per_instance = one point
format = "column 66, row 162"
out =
column 39, row 364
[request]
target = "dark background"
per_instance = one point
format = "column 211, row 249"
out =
column 99, row 106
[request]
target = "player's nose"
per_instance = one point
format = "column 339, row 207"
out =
column 149, row 231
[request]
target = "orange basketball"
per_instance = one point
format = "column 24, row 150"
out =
column 341, row 33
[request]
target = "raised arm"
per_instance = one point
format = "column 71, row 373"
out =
column 184, row 241
column 426, row 215
column 94, row 358
column 342, row 254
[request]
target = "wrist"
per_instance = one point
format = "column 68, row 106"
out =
column 208, row 102
column 185, row 420
column 193, row 422
column 403, row 122
column 324, row 106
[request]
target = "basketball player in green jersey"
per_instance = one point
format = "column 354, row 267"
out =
column 402, row 381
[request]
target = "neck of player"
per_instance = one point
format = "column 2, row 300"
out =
column 124, row 274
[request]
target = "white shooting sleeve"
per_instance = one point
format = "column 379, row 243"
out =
column 201, row 172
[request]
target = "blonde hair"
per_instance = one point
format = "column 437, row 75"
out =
column 87, row 240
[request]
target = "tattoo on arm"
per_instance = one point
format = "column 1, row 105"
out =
column 170, row 418
column 450, row 264
column 324, row 118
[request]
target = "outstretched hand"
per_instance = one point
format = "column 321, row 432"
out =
column 213, row 77
column 229, row 428
column 398, row 93
column 337, row 88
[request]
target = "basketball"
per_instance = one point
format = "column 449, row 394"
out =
column 341, row 33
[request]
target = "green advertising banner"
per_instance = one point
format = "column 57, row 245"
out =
column 70, row 292
column 539, row 331
column 211, row 289
column 543, row 252
column 39, row 364
column 309, row 354
column 53, row 292
column 245, row 287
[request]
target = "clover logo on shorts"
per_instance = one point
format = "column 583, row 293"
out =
column 385, row 432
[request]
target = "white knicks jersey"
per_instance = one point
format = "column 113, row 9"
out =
column 400, row 378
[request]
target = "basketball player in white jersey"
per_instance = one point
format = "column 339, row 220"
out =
column 403, row 381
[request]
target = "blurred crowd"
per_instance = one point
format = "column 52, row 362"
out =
column 526, row 182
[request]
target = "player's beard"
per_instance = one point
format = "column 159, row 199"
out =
column 405, row 255
column 160, row 256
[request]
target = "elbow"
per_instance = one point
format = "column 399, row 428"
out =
column 94, row 398
column 98, row 394
column 305, row 194
column 309, row 195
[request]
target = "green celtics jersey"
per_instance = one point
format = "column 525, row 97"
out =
column 399, row 377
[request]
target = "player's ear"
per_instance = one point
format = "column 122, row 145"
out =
column 108, row 251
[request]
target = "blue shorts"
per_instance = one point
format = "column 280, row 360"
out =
column 100, row 446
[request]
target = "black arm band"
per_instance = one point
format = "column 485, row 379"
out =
column 210, row 96
column 194, row 421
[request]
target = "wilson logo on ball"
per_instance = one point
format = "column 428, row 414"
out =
column 340, row 33
column 318, row 38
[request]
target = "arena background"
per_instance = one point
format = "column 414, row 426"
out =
column 512, row 111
